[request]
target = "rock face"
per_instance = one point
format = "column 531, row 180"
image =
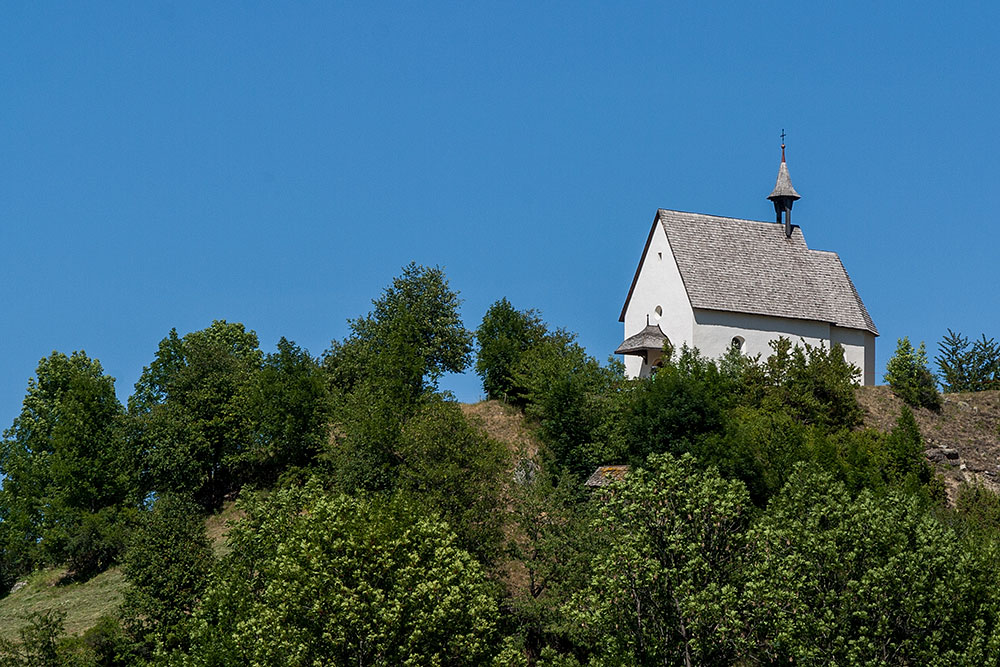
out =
column 942, row 455
column 962, row 440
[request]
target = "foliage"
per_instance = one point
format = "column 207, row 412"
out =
column 663, row 592
column 979, row 508
column 571, row 396
column 97, row 540
column 191, row 413
column 674, row 409
column 814, row 384
column 455, row 471
column 388, row 367
column 910, row 378
column 551, row 545
column 39, row 645
column 62, row 464
column 503, row 337
column 167, row 566
column 413, row 335
column 291, row 403
column 325, row 579
column 906, row 464
column 872, row 580
column 965, row 369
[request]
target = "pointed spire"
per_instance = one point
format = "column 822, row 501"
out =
column 783, row 186
column 784, row 195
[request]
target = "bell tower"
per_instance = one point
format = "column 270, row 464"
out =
column 784, row 195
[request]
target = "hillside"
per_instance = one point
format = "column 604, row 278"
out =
column 85, row 602
column 505, row 424
column 962, row 440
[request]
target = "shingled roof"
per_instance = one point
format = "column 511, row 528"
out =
column 650, row 338
column 746, row 266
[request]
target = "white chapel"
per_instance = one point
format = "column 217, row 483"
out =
column 715, row 283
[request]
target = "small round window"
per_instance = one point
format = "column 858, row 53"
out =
column 738, row 343
column 658, row 311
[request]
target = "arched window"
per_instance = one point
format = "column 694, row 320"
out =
column 738, row 343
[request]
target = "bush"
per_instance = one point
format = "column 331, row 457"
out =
column 167, row 565
column 455, row 471
column 663, row 592
column 570, row 395
column 909, row 377
column 674, row 409
column 814, row 384
column 870, row 580
column 98, row 541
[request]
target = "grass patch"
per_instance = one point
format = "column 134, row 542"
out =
column 86, row 602
column 217, row 527
column 83, row 602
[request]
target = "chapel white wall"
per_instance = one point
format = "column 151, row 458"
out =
column 659, row 284
column 859, row 349
column 714, row 331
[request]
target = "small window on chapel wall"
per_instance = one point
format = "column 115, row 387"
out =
column 738, row 343
column 659, row 312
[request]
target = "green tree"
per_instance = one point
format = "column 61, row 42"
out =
column 315, row 578
column 664, row 591
column 192, row 416
column 673, row 410
column 814, row 384
column 910, row 378
column 968, row 369
column 167, row 566
column 503, row 337
column 292, row 406
column 872, row 580
column 63, row 465
column 382, row 374
column 571, row 397
column 905, row 447
column 550, row 545
column 456, row 471
column 412, row 336
column 42, row 644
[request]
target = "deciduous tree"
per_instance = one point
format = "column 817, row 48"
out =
column 191, row 410
column 329, row 579
column 62, row 463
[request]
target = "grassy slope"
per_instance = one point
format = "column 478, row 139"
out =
column 83, row 603
column 87, row 601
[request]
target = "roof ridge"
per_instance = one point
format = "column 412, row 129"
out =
column 713, row 215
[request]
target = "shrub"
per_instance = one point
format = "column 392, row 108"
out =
column 663, row 592
column 909, row 377
column 167, row 565
column 570, row 395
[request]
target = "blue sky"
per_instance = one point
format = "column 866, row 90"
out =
column 166, row 164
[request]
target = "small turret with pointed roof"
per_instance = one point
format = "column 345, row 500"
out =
column 784, row 195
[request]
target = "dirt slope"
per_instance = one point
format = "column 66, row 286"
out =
column 505, row 424
column 962, row 440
